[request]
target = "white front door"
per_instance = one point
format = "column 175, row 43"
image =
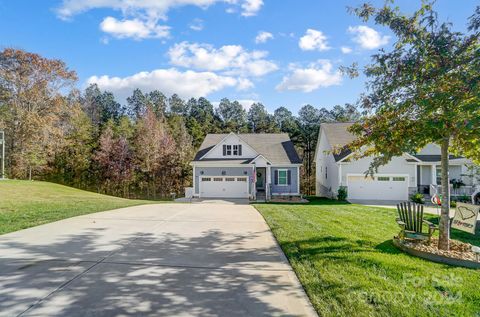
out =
column 224, row 187
column 380, row 187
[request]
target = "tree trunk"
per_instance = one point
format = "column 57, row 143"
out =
column 444, row 225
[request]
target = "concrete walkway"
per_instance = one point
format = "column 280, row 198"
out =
column 393, row 204
column 157, row 260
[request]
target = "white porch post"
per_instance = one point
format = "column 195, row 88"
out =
column 434, row 174
column 340, row 174
column 254, row 178
column 267, row 182
column 193, row 182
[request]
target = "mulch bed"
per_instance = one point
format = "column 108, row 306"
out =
column 458, row 249
column 288, row 200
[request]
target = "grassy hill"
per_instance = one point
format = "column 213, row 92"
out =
column 25, row 204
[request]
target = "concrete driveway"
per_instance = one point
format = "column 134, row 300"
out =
column 157, row 260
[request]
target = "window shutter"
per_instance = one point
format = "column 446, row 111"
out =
column 224, row 150
column 289, row 177
column 240, row 150
column 276, row 177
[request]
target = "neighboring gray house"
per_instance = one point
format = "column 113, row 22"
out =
column 402, row 176
column 255, row 166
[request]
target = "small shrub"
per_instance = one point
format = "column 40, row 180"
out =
column 418, row 198
column 457, row 183
column 453, row 204
column 463, row 199
column 342, row 193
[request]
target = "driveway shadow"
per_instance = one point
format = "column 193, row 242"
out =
column 148, row 275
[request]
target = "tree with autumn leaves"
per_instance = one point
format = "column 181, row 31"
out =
column 425, row 90
column 32, row 109
column 141, row 148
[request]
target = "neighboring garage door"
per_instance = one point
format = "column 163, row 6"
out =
column 224, row 187
column 380, row 187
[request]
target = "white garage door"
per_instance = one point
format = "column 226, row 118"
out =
column 380, row 187
column 224, row 187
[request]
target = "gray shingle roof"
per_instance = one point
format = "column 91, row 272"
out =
column 434, row 157
column 338, row 137
column 275, row 147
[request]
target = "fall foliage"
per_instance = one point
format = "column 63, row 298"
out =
column 139, row 149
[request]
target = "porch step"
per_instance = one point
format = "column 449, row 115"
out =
column 261, row 197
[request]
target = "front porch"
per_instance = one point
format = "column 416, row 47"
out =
column 272, row 182
column 429, row 180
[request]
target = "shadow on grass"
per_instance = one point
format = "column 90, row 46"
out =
column 388, row 247
column 461, row 235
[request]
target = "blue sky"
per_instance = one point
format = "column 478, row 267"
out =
column 210, row 47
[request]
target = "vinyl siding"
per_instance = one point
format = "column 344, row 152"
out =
column 293, row 188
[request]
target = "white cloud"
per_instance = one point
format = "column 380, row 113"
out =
column 140, row 18
column 367, row 37
column 346, row 49
column 315, row 76
column 156, row 9
column 313, row 40
column 251, row 7
column 133, row 29
column 169, row 81
column 230, row 59
column 244, row 84
column 246, row 103
column 197, row 25
column 263, row 36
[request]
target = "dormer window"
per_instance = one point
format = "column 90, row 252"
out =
column 232, row 150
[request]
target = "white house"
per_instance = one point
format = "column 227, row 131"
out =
column 397, row 180
column 255, row 166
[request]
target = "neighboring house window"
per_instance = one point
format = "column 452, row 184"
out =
column 229, row 150
column 235, row 150
column 326, row 173
column 383, row 179
column 283, row 177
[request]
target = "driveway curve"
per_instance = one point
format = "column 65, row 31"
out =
column 205, row 259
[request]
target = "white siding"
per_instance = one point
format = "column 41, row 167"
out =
column 398, row 165
column 232, row 139
column 326, row 185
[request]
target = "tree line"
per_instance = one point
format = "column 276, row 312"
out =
column 139, row 149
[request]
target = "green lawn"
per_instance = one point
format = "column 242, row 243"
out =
column 344, row 257
column 25, row 204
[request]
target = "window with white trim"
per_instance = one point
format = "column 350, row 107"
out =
column 232, row 150
column 398, row 179
column 282, row 177
column 383, row 178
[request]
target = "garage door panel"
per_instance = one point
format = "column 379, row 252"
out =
column 380, row 187
column 224, row 187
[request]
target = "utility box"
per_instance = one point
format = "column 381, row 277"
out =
column 188, row 192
